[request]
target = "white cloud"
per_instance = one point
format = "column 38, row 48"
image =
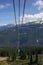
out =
column 39, row 4
column 3, row 24
column 36, row 18
column 32, row 18
column 8, row 4
column 4, row 5
column 1, row 6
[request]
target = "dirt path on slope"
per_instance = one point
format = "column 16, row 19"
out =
column 3, row 58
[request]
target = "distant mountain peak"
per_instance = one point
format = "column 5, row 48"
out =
column 4, row 27
column 10, row 25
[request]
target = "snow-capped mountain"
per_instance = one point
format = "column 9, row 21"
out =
column 29, row 34
column 6, row 26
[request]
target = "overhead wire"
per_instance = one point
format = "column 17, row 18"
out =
column 19, row 11
column 23, row 10
column 21, row 22
column 24, row 4
column 13, row 1
column 19, row 17
column 14, row 12
column 18, row 25
column 14, row 7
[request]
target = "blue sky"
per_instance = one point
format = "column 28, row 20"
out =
column 33, row 11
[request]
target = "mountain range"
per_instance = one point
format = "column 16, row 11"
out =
column 30, row 34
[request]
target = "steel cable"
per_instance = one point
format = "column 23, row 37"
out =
column 18, row 25
column 14, row 11
column 23, row 10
